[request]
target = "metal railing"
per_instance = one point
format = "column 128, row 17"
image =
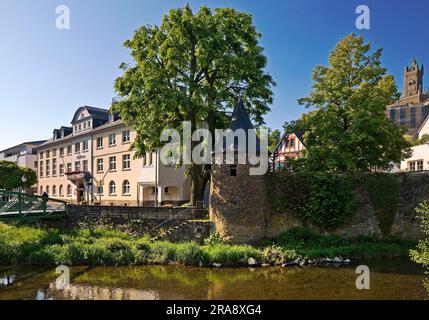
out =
column 202, row 213
column 16, row 205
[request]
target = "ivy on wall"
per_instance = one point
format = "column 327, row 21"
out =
column 383, row 190
column 328, row 201
column 321, row 199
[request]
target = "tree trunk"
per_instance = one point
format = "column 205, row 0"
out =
column 198, row 184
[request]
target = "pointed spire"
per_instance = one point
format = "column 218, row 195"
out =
column 240, row 120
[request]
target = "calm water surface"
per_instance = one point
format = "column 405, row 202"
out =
column 391, row 279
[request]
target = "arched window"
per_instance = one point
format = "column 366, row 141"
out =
column 112, row 188
column 47, row 190
column 69, row 191
column 61, row 191
column 126, row 189
column 41, row 190
column 54, row 190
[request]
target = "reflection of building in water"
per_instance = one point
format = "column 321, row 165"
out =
column 7, row 280
column 84, row 292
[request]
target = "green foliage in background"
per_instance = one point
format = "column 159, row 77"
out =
column 323, row 200
column 193, row 67
column 307, row 243
column 347, row 129
column 327, row 200
column 11, row 176
column 420, row 254
column 23, row 245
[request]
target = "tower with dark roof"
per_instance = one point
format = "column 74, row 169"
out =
column 413, row 81
column 237, row 199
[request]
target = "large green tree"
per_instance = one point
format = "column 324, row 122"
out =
column 193, row 67
column 11, row 176
column 347, row 129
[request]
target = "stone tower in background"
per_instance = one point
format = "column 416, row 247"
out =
column 413, row 83
column 237, row 199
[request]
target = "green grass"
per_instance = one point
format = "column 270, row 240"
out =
column 37, row 246
column 310, row 244
column 26, row 245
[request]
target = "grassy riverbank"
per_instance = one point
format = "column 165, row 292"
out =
column 310, row 244
column 35, row 246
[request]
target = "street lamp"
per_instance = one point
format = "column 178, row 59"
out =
column 24, row 180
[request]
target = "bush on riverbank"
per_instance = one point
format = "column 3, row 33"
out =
column 27, row 245
column 308, row 243
column 420, row 254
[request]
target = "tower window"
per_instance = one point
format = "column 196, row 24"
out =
column 233, row 170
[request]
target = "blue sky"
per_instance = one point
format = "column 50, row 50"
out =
column 46, row 74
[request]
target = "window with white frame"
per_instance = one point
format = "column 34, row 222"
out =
column 54, row 167
column 126, row 188
column 99, row 142
column 112, row 188
column 112, row 163
column 41, row 169
column 100, row 165
column 85, row 145
column 126, row 136
column 416, row 165
column 48, row 168
column 112, row 139
column 126, row 162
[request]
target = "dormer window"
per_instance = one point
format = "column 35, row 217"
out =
column 111, row 117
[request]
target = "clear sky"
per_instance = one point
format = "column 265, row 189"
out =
column 46, row 74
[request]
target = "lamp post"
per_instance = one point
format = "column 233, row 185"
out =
column 24, row 180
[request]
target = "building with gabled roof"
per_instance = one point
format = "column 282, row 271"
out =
column 93, row 162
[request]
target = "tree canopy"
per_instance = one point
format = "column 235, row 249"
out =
column 193, row 67
column 11, row 176
column 347, row 129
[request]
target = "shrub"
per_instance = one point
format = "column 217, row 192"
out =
column 420, row 254
column 276, row 255
column 161, row 253
column 191, row 254
column 214, row 239
column 232, row 255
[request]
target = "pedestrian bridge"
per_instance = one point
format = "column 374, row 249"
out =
column 21, row 206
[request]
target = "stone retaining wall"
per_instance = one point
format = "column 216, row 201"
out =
column 136, row 220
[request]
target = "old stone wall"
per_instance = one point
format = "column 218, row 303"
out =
column 242, row 209
column 139, row 220
column 238, row 206
column 414, row 189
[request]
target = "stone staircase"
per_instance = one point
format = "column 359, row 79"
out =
column 190, row 230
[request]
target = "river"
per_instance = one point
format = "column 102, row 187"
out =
column 389, row 279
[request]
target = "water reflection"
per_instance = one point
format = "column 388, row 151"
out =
column 88, row 292
column 7, row 280
column 394, row 280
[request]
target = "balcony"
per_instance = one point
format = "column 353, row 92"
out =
column 77, row 177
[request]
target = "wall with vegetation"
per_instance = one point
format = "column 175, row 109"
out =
column 349, row 205
column 174, row 224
